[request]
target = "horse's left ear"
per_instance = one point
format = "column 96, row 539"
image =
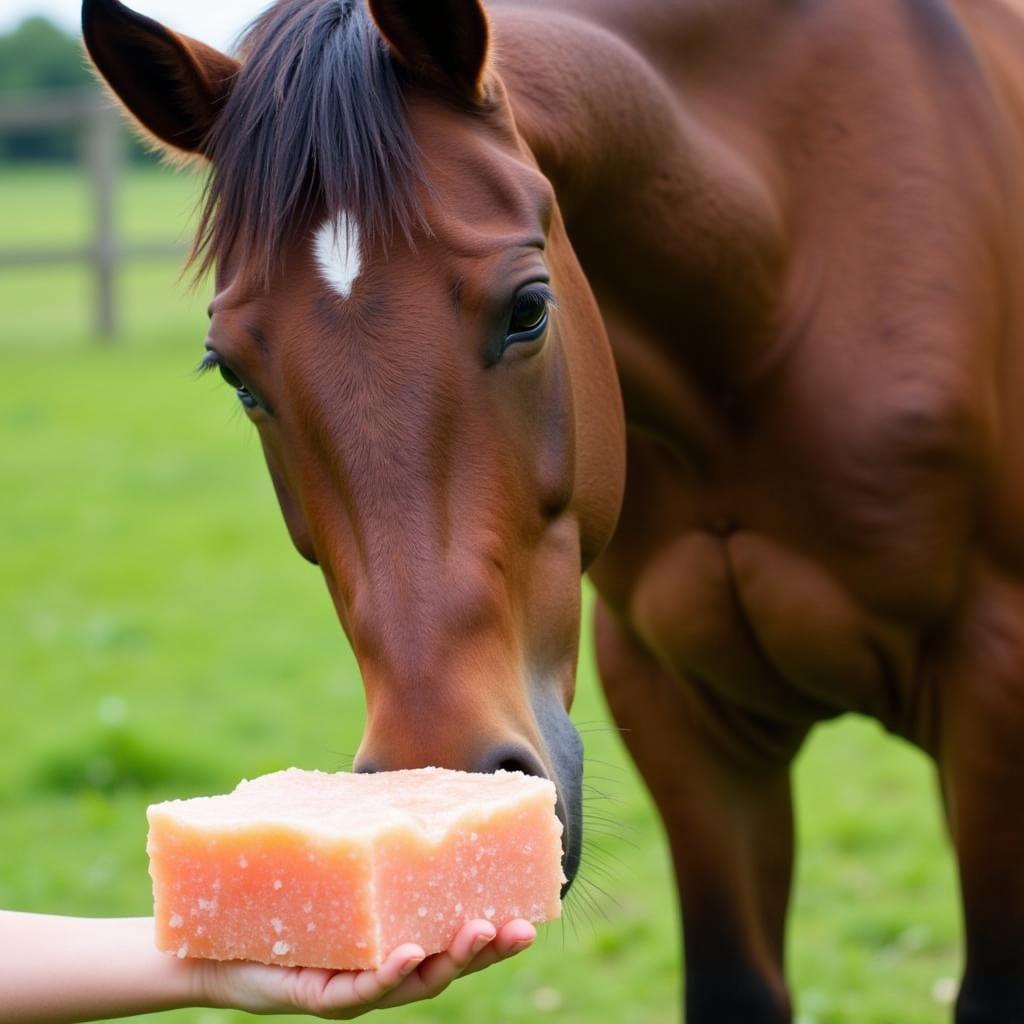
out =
column 444, row 42
column 174, row 86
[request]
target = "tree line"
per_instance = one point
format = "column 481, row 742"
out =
column 39, row 56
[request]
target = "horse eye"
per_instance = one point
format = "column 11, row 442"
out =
column 230, row 377
column 233, row 380
column 529, row 317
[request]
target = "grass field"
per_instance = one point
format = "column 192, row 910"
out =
column 159, row 637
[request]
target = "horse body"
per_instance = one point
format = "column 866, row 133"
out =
column 801, row 225
column 818, row 426
column 821, row 368
column 812, row 378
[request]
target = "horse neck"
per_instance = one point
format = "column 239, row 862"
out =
column 675, row 224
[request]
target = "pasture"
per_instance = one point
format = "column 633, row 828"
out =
column 159, row 637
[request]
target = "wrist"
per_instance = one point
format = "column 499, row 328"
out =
column 173, row 982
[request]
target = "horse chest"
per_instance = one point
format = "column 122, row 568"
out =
column 769, row 628
column 764, row 625
column 793, row 563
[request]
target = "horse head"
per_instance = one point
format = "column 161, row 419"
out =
column 400, row 313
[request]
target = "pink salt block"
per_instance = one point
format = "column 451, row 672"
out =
column 318, row 870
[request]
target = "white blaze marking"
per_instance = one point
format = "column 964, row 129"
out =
column 336, row 248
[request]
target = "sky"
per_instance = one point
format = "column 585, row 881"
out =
column 214, row 21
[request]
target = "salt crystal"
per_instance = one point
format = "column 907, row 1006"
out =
column 422, row 911
column 277, row 883
column 310, row 926
column 458, row 908
column 242, row 862
column 176, row 921
column 488, row 912
column 183, row 951
column 280, row 948
column 277, row 924
column 307, row 907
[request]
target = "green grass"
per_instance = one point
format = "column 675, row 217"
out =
column 159, row 637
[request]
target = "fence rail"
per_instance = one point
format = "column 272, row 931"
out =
column 100, row 124
column 125, row 252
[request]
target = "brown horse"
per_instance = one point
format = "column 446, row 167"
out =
column 712, row 300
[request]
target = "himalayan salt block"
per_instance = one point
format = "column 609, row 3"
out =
column 318, row 870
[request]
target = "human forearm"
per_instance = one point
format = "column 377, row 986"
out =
column 58, row 970
column 65, row 970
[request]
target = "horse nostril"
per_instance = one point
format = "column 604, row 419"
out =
column 512, row 760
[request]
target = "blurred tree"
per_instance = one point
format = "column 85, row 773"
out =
column 39, row 56
column 36, row 57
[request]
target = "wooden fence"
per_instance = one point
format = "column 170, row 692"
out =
column 100, row 127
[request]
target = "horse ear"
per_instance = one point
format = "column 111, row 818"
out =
column 444, row 42
column 172, row 85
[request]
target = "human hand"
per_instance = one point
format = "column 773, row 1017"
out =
column 405, row 977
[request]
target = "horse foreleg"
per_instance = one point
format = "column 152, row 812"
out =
column 981, row 760
column 729, row 821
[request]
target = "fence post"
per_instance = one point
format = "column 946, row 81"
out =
column 103, row 156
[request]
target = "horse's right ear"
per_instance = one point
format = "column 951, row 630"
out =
column 174, row 86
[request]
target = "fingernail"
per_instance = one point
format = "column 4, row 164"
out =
column 409, row 966
column 479, row 942
column 518, row 947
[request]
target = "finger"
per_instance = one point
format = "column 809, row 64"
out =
column 399, row 964
column 437, row 972
column 469, row 940
column 348, row 990
column 513, row 938
column 471, row 946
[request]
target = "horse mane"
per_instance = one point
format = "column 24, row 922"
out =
column 314, row 125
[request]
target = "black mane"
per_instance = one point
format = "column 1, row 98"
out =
column 314, row 125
